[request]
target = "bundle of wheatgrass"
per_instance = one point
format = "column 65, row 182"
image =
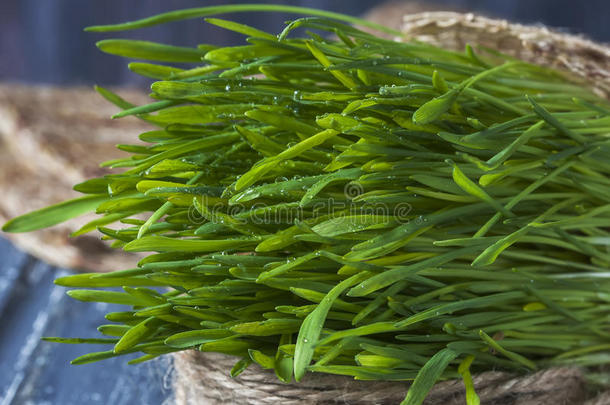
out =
column 335, row 202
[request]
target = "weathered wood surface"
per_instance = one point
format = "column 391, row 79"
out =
column 39, row 373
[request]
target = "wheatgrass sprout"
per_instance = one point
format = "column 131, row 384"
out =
column 342, row 203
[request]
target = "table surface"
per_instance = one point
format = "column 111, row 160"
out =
column 39, row 373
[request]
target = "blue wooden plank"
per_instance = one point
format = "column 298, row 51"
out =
column 11, row 260
column 37, row 372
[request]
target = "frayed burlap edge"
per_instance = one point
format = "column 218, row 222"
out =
column 537, row 44
column 202, row 378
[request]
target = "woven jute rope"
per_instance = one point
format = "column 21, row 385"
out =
column 538, row 44
column 202, row 378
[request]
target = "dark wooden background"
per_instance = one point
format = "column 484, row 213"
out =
column 42, row 41
column 39, row 373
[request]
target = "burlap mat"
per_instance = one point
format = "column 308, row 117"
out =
column 538, row 44
column 50, row 139
column 203, row 378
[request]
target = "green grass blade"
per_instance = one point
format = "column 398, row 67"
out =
column 149, row 50
column 312, row 326
column 54, row 214
column 235, row 8
column 427, row 377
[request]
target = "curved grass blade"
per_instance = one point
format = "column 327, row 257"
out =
column 312, row 325
column 130, row 48
column 464, row 370
column 136, row 334
column 511, row 355
column 235, row 8
column 428, row 375
column 54, row 214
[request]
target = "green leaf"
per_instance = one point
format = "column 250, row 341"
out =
column 427, row 376
column 491, row 253
column 231, row 346
column 551, row 120
column 177, row 90
column 113, row 330
column 473, row 189
column 136, row 334
column 283, row 362
column 196, row 337
column 110, row 297
column 240, row 366
column 464, row 370
column 54, row 214
column 240, row 28
column 235, row 8
column 149, row 50
column 439, row 83
column 511, row 355
column 195, row 114
column 340, row 175
column 165, row 244
column 145, row 109
column 506, row 153
column 93, row 357
column 104, row 220
column 283, row 268
column 92, row 280
column 266, row 362
column 266, row 165
column 435, row 108
column 346, row 80
column 477, row 302
column 399, row 273
column 160, row 72
column 352, row 223
column 113, row 98
column 269, row 327
column 312, row 326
